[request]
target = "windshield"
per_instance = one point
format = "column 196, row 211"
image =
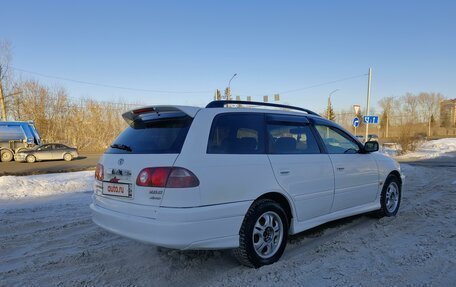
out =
column 157, row 136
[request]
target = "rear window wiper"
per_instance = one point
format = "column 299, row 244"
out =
column 121, row 146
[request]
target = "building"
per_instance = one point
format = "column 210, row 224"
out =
column 448, row 113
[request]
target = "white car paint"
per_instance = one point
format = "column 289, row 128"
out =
column 210, row 215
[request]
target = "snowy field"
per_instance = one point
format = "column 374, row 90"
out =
column 429, row 149
column 50, row 240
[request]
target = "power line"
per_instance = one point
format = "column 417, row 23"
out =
column 106, row 85
column 323, row 84
column 318, row 85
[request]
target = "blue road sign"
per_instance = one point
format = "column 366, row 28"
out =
column 371, row 119
column 356, row 122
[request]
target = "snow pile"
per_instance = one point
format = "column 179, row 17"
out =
column 390, row 149
column 432, row 149
column 16, row 187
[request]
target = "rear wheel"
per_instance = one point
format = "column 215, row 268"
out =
column 30, row 158
column 67, row 157
column 6, row 155
column 390, row 199
column 263, row 234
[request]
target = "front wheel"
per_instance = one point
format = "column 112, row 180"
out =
column 390, row 198
column 263, row 234
column 30, row 159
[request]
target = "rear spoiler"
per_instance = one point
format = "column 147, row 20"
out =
column 158, row 112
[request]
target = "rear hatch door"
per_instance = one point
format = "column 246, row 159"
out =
column 154, row 138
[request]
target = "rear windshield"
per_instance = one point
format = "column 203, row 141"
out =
column 157, row 136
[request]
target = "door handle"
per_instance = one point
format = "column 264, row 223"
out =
column 284, row 172
column 340, row 168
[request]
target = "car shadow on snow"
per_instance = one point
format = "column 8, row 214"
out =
column 189, row 258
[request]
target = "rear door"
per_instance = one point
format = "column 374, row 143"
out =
column 299, row 165
column 356, row 173
column 58, row 151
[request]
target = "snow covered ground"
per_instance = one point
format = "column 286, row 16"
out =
column 51, row 241
column 432, row 149
column 17, row 187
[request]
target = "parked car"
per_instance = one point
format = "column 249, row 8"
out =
column 51, row 151
column 243, row 178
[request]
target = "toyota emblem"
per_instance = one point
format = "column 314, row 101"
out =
column 121, row 161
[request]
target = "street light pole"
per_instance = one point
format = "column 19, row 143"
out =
column 329, row 103
column 228, row 90
column 369, row 78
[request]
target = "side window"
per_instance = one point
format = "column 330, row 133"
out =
column 45, row 147
column 237, row 133
column 336, row 141
column 291, row 138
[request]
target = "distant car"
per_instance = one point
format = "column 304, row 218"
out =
column 360, row 138
column 372, row 137
column 47, row 152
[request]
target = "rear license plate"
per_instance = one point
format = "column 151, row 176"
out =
column 117, row 189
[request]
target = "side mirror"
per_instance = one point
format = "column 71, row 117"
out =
column 371, row 146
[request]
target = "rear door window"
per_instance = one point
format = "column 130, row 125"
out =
column 290, row 135
column 163, row 136
column 237, row 133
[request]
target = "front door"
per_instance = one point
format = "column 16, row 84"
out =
column 356, row 173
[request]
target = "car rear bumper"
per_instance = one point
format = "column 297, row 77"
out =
column 208, row 227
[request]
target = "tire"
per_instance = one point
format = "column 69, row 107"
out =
column 67, row 157
column 263, row 234
column 30, row 158
column 6, row 156
column 390, row 198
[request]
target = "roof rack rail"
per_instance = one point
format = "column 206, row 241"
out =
column 221, row 104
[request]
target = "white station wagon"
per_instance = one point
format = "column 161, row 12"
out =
column 237, row 177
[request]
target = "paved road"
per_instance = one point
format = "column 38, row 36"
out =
column 84, row 162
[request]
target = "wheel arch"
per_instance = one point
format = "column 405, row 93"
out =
column 6, row 148
column 282, row 200
column 397, row 175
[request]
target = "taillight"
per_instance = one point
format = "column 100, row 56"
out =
column 181, row 177
column 99, row 173
column 170, row 177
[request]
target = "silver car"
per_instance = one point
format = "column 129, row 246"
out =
column 47, row 152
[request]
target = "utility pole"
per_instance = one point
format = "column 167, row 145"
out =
column 369, row 78
column 2, row 102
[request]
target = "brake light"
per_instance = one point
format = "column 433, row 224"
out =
column 99, row 173
column 170, row 177
column 143, row 111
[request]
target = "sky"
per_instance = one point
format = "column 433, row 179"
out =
column 179, row 52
